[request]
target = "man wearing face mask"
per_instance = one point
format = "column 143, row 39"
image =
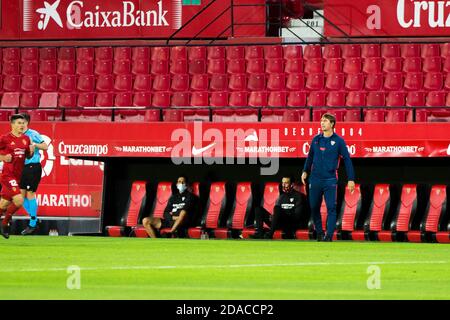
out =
column 176, row 214
column 286, row 213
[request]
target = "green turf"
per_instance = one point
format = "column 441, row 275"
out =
column 130, row 268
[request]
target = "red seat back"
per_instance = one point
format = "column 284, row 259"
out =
column 436, row 208
column 407, row 208
column 163, row 193
column 271, row 193
column 351, row 209
column 136, row 203
column 215, row 206
column 242, row 205
column 379, row 208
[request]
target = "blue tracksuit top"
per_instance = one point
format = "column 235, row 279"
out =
column 323, row 158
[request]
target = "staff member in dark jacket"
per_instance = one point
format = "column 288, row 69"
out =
column 321, row 167
column 286, row 213
column 176, row 214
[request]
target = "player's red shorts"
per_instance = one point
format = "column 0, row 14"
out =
column 10, row 188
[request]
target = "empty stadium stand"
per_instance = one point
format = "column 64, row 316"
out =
column 387, row 81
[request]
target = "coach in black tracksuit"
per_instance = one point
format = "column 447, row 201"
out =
column 286, row 213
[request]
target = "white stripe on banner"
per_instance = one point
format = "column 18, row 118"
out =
column 177, row 14
column 27, row 15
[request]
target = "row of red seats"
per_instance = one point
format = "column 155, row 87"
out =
column 219, row 221
column 327, row 51
column 223, row 82
column 223, row 99
column 221, row 66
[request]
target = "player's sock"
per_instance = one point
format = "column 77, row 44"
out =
column 26, row 205
column 33, row 206
column 12, row 208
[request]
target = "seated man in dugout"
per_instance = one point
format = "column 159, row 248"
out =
column 179, row 209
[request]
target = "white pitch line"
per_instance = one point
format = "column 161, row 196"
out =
column 227, row 266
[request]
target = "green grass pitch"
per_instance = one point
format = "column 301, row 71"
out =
column 131, row 268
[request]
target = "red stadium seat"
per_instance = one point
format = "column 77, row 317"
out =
column 372, row 65
column 333, row 65
column 67, row 100
column 332, row 51
column 85, row 67
column 276, row 82
column 350, row 213
column 49, row 100
column 374, row 82
column 274, row 66
column 140, row 67
column 375, row 99
column 296, row 99
column 179, row 66
column 294, row 66
column 255, row 66
column 197, row 66
column 11, row 83
column 295, row 82
column 392, row 64
column 219, row 82
column 257, row 99
column 161, row 99
column 29, row 100
column 277, row 99
column 236, row 66
column 103, row 67
column 415, row 99
column 354, row 82
column 142, row 99
column 238, row 99
column 135, row 209
column 317, row 99
column 197, row 53
column 122, row 67
column 356, row 99
column 161, row 83
column 445, row 50
column 370, row 50
column 413, row 81
column 66, row 67
column 49, row 83
column 390, row 50
column 393, row 81
column 396, row 115
column 29, row 68
column 86, row 99
column 216, row 52
column 431, row 50
column 30, row 83
column 122, row 53
column 314, row 66
column 123, row 99
column 256, row 82
column 11, row 54
column 180, row 82
column 292, row 52
column 173, row 115
column 105, row 83
column 237, row 82
column 240, row 211
column 335, row 99
column 142, row 82
column 199, row 82
column 235, row 52
column 410, row 50
column 312, row 52
column 199, row 99
column 178, row 53
column 446, row 67
column 351, row 51
column 30, row 54
column 315, row 81
column 123, row 83
column 67, row 54
column 273, row 52
column 48, row 54
column 435, row 99
column 84, row 54
column 215, row 209
column 47, row 67
column 335, row 81
column 254, row 52
column 433, row 81
column 11, row 68
column 159, row 67
column 219, row 99
column 10, row 99
column 412, row 64
column 352, row 65
column 432, row 64
column 216, row 66
column 86, row 83
column 160, row 53
column 104, row 99
column 434, row 217
column 140, row 53
column 178, row 99
column 104, row 53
